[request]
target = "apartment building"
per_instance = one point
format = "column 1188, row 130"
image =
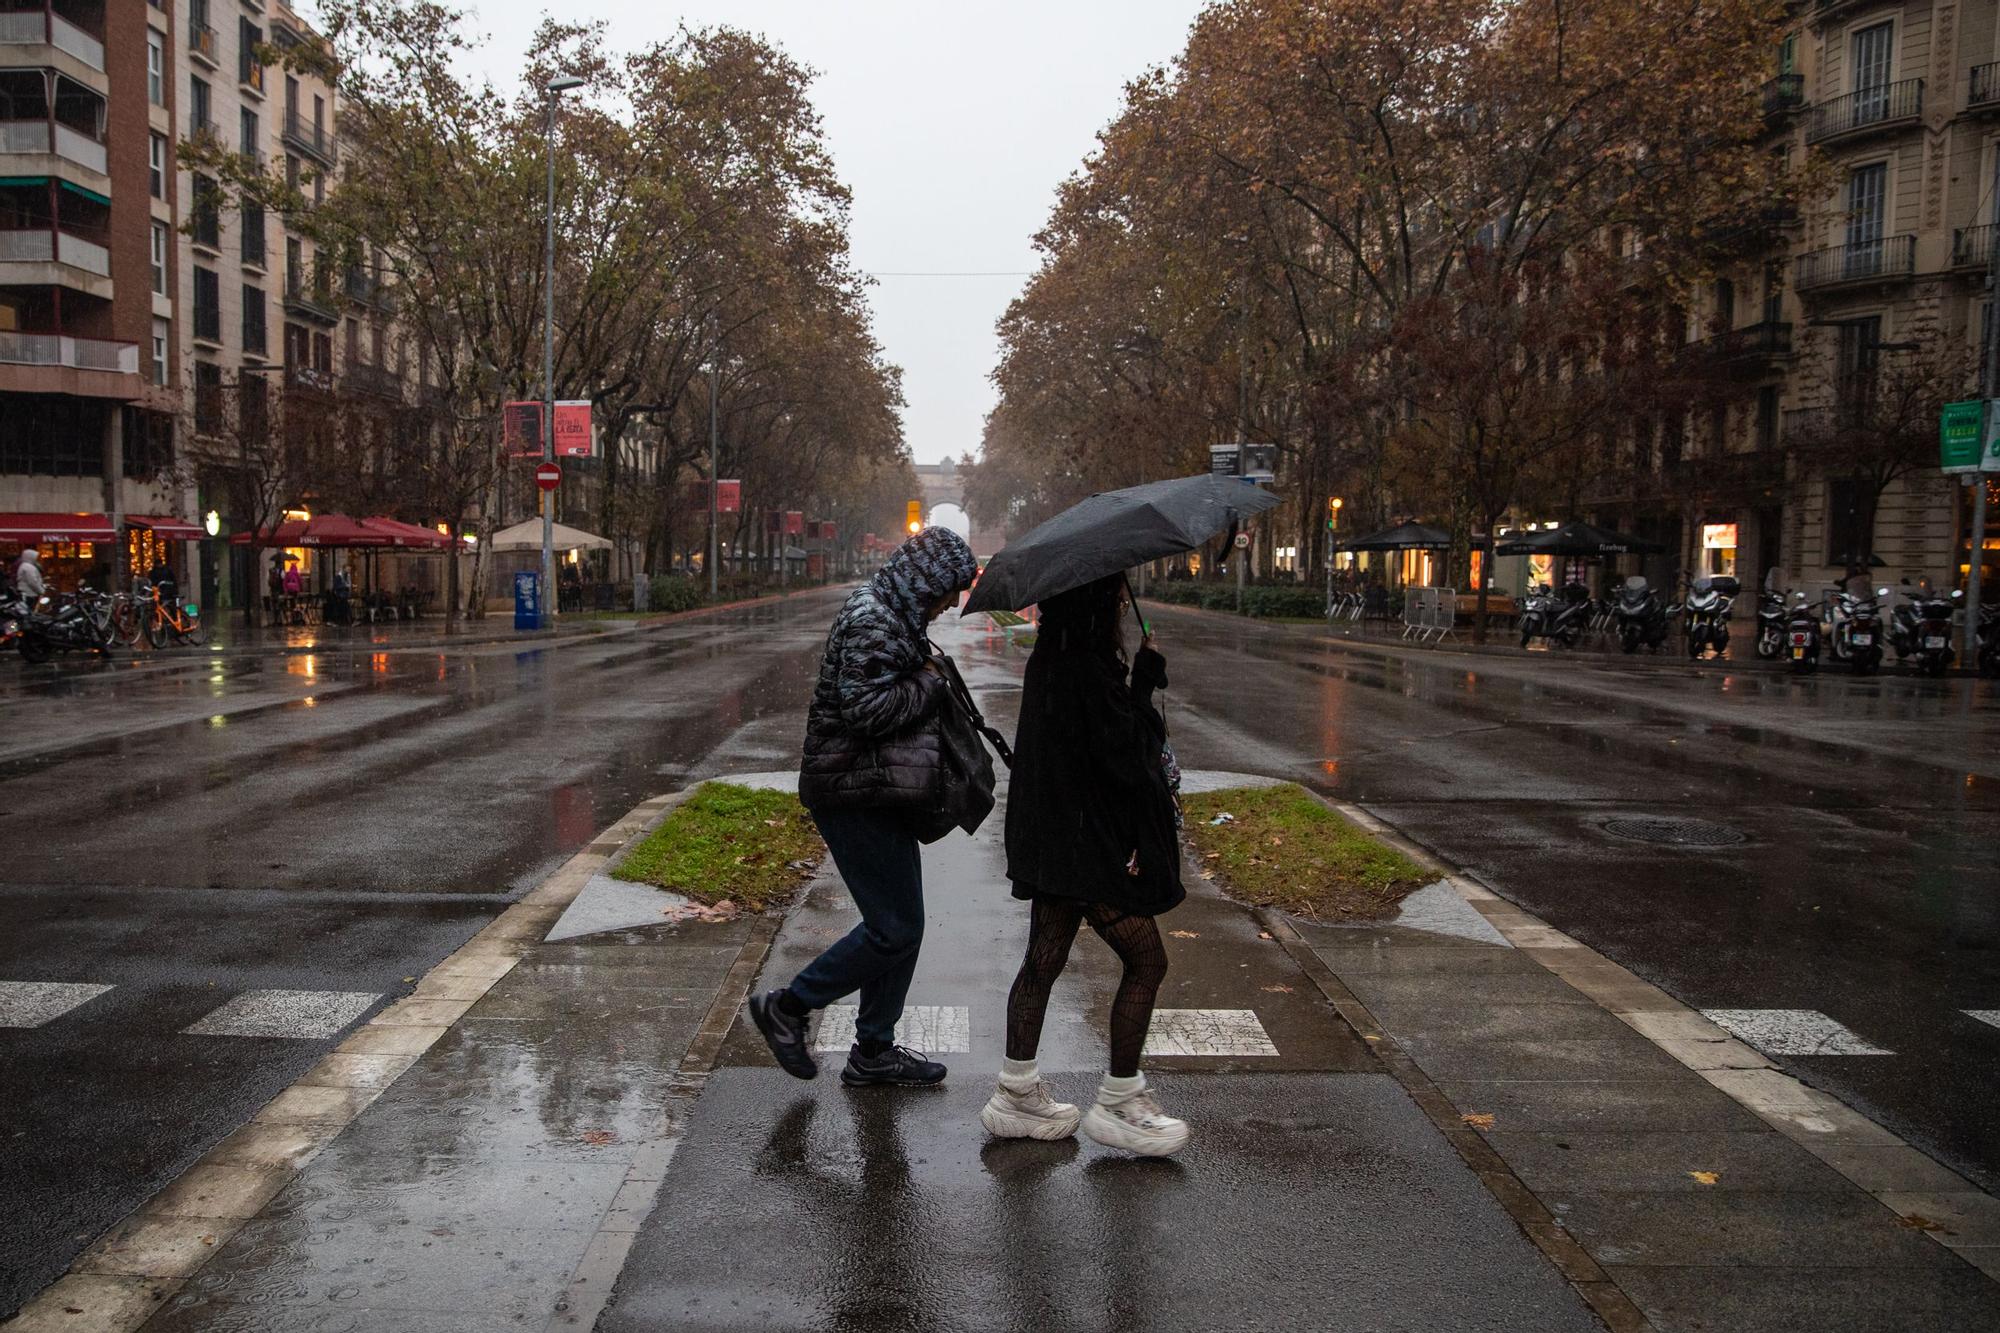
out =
column 86, row 400
column 1881, row 283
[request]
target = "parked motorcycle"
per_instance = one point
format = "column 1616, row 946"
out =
column 1705, row 613
column 1802, row 634
column 1559, row 618
column 13, row 611
column 1932, row 646
column 1640, row 615
column 1770, row 624
column 81, row 623
column 1856, row 629
column 1989, row 639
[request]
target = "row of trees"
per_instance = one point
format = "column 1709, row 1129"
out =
column 698, row 217
column 1438, row 251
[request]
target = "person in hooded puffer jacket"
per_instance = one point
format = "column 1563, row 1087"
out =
column 869, row 776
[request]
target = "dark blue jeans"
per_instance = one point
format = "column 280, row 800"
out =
column 880, row 860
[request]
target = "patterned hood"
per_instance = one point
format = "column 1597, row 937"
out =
column 926, row 567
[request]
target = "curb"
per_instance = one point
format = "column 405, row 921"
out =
column 130, row 1271
column 1961, row 1217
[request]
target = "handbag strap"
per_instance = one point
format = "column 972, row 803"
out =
column 959, row 691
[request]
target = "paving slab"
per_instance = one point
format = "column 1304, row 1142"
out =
column 823, row 1209
column 1746, row 1229
column 1601, row 1105
column 1709, row 1299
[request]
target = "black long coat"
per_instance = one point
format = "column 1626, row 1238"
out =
column 1086, row 791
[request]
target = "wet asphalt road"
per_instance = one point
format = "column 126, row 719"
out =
column 1866, row 887
column 187, row 830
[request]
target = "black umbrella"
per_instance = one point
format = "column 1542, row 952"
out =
column 1577, row 538
column 1111, row 532
column 1402, row 537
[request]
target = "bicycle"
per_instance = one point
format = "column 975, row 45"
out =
column 128, row 617
column 171, row 620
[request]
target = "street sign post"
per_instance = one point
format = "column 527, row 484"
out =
column 548, row 476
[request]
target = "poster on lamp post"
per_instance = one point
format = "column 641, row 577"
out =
column 728, row 496
column 521, row 430
column 573, row 429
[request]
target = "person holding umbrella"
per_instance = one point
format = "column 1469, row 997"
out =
column 1090, row 838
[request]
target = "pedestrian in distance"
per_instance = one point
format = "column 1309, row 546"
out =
column 28, row 580
column 870, row 777
column 1091, row 837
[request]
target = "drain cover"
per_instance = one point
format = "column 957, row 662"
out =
column 1673, row 832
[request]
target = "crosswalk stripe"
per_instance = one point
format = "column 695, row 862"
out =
column 1207, row 1032
column 307, row 1014
column 1991, row 1017
column 936, row 1029
column 1792, row 1032
column 29, row 1004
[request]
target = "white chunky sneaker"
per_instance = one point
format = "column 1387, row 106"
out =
column 1136, row 1124
column 1032, row 1114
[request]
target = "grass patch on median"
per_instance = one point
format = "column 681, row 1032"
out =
column 1282, row 848
column 729, row 843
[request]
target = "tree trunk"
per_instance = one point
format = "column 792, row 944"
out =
column 451, row 576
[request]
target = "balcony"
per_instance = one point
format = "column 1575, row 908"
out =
column 1767, row 340
column 45, row 27
column 1784, row 95
column 310, row 300
column 40, row 245
column 374, row 381
column 202, row 44
column 38, row 136
column 59, row 349
column 1972, row 247
column 308, row 379
column 313, row 140
column 1886, row 260
column 1890, row 106
column 1982, row 91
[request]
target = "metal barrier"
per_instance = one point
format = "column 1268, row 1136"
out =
column 1430, row 614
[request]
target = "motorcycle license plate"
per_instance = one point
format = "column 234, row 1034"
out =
column 1863, row 640
column 1798, row 651
column 1934, row 641
column 1801, row 639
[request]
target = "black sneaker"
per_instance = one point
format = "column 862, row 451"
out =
column 784, row 1034
column 899, row 1066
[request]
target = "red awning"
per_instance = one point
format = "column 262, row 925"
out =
column 169, row 529
column 32, row 529
column 320, row 530
column 408, row 535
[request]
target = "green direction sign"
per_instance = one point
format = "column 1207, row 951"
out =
column 1960, row 434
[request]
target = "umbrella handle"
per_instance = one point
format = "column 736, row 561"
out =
column 1144, row 629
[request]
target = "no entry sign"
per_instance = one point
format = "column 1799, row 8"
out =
column 548, row 476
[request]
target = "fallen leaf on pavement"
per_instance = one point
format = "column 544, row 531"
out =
column 1184, row 934
column 597, row 1138
column 1921, row 1223
column 1264, row 935
column 1703, row 1177
column 1279, row 988
column 1478, row 1119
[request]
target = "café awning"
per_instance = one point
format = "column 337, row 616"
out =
column 168, row 529
column 527, row 536
column 330, row 530
column 34, row 528
column 408, row 536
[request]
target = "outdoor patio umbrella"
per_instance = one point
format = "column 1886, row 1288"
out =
column 527, row 536
column 1402, row 537
column 1110, row 532
column 319, row 530
column 1577, row 538
column 408, row 536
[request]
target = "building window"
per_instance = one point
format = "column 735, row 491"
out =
column 1767, row 417
column 148, row 444
column 156, row 165
column 253, row 319
column 291, row 173
column 51, row 435
column 1850, row 521
column 1866, row 195
column 1859, row 352
column 248, row 37
column 207, row 212
column 161, row 331
column 156, row 70
column 252, row 218
column 247, row 133
column 198, row 105
column 207, row 397
column 207, row 305
column 160, row 242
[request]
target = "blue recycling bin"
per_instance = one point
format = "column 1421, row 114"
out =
column 528, row 599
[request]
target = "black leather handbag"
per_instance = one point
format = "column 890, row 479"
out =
column 965, row 773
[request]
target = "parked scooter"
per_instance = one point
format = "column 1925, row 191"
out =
column 1641, row 616
column 1770, row 624
column 67, row 624
column 13, row 611
column 1560, row 618
column 1856, row 629
column 1802, row 635
column 1932, row 646
column 1705, row 613
column 1989, row 639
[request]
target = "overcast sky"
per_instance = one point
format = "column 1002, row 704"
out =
column 952, row 122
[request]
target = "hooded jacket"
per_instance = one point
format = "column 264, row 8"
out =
column 28, row 576
column 866, row 747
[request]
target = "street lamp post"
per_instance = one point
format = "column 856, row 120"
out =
column 555, row 89
column 714, row 430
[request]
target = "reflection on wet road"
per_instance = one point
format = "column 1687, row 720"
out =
column 1864, row 887
column 293, row 831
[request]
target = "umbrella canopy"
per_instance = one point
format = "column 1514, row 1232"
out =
column 409, row 536
column 1111, row 532
column 319, row 530
column 527, row 536
column 1577, row 538
column 1402, row 537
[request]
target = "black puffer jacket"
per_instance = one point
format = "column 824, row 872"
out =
column 866, row 745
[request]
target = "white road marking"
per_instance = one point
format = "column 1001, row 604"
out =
column 1990, row 1017
column 29, row 1004
column 1792, row 1032
column 310, row 1014
column 1207, row 1032
column 935, row 1029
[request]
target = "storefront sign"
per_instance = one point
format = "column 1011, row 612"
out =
column 1959, row 436
column 573, row 429
column 1718, row 536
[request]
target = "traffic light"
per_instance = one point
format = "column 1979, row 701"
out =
column 1333, row 507
column 915, row 523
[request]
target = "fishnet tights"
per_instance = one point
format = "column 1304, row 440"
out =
column 1051, row 929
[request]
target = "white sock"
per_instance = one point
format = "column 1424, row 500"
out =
column 1019, row 1075
column 1118, row 1089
